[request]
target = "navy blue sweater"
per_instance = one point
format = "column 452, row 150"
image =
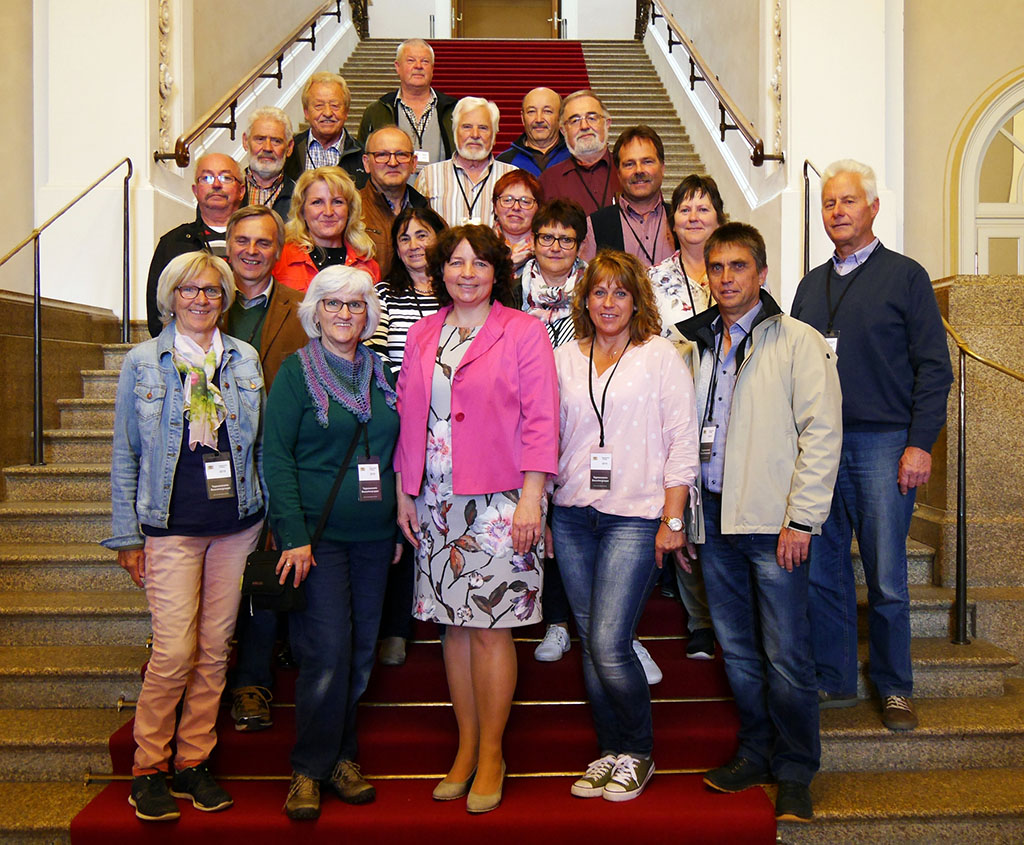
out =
column 894, row 364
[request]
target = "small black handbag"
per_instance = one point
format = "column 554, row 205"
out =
column 260, row 580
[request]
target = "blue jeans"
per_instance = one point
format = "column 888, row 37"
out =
column 759, row 612
column 867, row 501
column 333, row 641
column 256, row 634
column 608, row 569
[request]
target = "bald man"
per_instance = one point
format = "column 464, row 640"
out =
column 541, row 144
column 218, row 188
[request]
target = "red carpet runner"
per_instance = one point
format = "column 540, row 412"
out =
column 504, row 71
column 406, row 733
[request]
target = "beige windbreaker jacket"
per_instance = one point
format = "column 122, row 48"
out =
column 785, row 430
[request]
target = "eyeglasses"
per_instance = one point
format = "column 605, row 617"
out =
column 564, row 241
column 591, row 117
column 384, row 156
column 210, row 178
column 507, row 201
column 192, row 291
column 333, row 306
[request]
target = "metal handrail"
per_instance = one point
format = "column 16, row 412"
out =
column 807, row 214
column 700, row 71
column 229, row 101
column 965, row 352
column 37, row 308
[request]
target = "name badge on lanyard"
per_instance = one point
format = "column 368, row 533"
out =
column 707, row 442
column 832, row 339
column 369, row 480
column 601, row 469
column 422, row 158
column 218, row 476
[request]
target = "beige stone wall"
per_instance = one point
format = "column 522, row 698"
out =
column 230, row 36
column 16, row 140
column 953, row 54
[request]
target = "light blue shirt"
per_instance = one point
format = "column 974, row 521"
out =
column 852, row 262
column 716, row 410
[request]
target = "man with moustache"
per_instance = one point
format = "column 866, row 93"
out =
column 218, row 189
column 389, row 160
column 588, row 176
column 460, row 189
column 541, row 145
column 424, row 113
column 325, row 104
column 265, row 315
column 269, row 142
column 638, row 222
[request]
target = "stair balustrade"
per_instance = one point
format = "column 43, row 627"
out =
column 648, row 13
column 229, row 102
column 37, row 336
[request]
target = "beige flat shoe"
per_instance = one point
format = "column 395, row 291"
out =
column 447, row 791
column 476, row 803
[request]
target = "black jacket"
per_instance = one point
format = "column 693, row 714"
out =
column 351, row 160
column 382, row 113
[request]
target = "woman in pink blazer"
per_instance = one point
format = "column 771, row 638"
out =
column 478, row 401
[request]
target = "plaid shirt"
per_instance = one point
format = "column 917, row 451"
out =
column 258, row 195
column 319, row 156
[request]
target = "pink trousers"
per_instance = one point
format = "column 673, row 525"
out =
column 192, row 584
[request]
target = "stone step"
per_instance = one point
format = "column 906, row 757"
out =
column 880, row 808
column 954, row 733
column 66, row 482
column 78, row 445
column 944, row 670
column 70, row 676
column 40, row 813
column 931, row 612
column 81, row 567
column 86, row 413
column 49, row 522
column 56, row 745
column 113, row 355
column 119, row 617
column 99, row 384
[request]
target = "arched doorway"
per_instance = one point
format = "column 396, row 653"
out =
column 991, row 199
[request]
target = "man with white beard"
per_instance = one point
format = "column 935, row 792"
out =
column 460, row 188
column 269, row 142
column 589, row 177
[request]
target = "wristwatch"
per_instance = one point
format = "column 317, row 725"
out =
column 674, row 523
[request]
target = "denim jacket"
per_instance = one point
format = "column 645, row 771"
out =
column 148, row 416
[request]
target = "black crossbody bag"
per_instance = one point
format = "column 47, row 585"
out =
column 260, row 580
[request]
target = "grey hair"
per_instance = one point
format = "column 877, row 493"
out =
column 849, row 165
column 413, row 42
column 469, row 103
column 272, row 113
column 184, row 268
column 348, row 281
column 325, row 77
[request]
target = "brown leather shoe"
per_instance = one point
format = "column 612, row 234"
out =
column 303, row 802
column 898, row 713
column 350, row 785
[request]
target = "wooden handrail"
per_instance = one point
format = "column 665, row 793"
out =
column 229, row 101
column 700, row 71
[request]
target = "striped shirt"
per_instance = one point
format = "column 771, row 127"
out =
column 451, row 194
column 398, row 312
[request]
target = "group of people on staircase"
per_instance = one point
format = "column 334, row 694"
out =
column 483, row 391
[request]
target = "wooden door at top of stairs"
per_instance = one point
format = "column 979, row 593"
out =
column 504, row 19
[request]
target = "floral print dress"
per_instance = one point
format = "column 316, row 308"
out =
column 677, row 296
column 466, row 571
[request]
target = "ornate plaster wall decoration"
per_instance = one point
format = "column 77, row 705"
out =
column 165, row 79
column 776, row 80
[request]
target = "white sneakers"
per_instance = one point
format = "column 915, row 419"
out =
column 651, row 669
column 553, row 646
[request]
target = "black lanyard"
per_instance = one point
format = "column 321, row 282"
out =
column 590, row 385
column 480, row 190
column 709, row 403
column 259, row 322
column 310, row 160
column 654, row 246
column 604, row 191
column 689, row 290
column 419, row 127
column 366, row 439
column 850, row 277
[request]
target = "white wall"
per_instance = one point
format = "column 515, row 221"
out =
column 410, row 18
column 615, row 19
